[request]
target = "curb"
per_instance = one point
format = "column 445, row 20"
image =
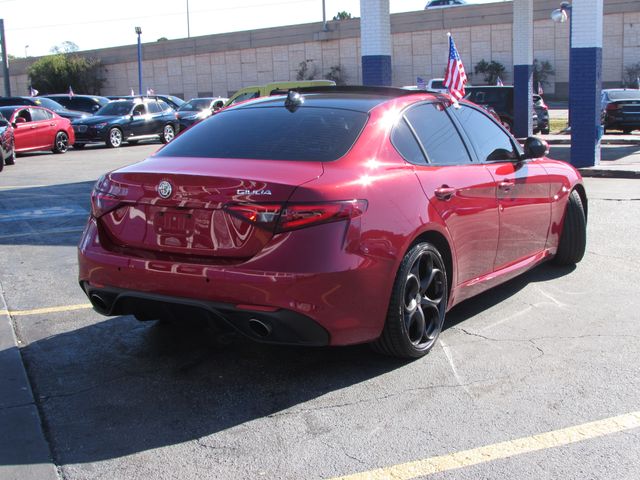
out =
column 24, row 452
column 607, row 141
column 608, row 173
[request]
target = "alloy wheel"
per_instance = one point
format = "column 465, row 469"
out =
column 424, row 299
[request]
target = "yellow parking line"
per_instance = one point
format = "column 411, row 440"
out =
column 488, row 453
column 36, row 311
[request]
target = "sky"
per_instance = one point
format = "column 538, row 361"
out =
column 33, row 27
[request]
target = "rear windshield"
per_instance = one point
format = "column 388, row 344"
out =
column 624, row 95
column 271, row 133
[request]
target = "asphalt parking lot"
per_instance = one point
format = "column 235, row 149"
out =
column 550, row 351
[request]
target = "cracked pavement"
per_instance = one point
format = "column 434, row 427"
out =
column 121, row 399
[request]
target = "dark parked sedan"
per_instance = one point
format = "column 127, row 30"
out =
column 7, row 153
column 42, row 102
column 127, row 121
column 621, row 109
column 172, row 100
column 500, row 98
column 84, row 103
column 198, row 109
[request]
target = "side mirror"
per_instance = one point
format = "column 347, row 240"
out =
column 136, row 113
column 535, row 147
column 19, row 120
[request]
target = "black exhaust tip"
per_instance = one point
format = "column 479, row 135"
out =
column 260, row 328
column 99, row 303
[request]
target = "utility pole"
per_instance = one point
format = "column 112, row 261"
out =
column 5, row 61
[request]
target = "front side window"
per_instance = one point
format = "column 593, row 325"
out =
column 271, row 133
column 489, row 140
column 438, row 135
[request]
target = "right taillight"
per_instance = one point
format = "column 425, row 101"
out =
column 611, row 107
column 279, row 218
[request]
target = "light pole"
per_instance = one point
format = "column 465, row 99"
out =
column 25, row 51
column 561, row 15
column 188, row 26
column 139, row 32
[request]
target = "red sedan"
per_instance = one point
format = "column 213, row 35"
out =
column 37, row 128
column 329, row 217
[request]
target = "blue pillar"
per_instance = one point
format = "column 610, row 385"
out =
column 522, row 68
column 585, row 74
column 375, row 42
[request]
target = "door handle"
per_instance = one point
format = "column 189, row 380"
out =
column 52, row 124
column 444, row 192
column 506, row 185
column 33, row 126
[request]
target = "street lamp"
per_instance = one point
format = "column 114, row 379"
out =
column 139, row 32
column 561, row 15
column 25, row 51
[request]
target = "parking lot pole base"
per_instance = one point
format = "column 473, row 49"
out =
column 585, row 73
column 522, row 101
column 375, row 39
column 522, row 67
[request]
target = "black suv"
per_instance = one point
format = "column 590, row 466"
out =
column 127, row 121
column 84, row 103
column 500, row 98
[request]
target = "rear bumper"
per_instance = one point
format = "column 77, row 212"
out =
column 319, row 285
column 278, row 326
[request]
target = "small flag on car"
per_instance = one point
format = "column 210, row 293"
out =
column 540, row 91
column 150, row 91
column 70, row 92
column 420, row 83
column 33, row 92
column 638, row 82
column 133, row 93
column 455, row 77
column 499, row 82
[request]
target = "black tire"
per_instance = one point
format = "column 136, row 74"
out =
column 168, row 133
column 114, row 138
column 79, row 146
column 11, row 159
column 418, row 304
column 61, row 143
column 573, row 240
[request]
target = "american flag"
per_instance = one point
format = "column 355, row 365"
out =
column 499, row 82
column 33, row 92
column 455, row 77
column 420, row 83
column 132, row 93
column 540, row 91
column 70, row 92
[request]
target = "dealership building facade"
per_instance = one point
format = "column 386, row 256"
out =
column 220, row 64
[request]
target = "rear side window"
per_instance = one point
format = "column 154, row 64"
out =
column 153, row 107
column 37, row 114
column 271, row 133
column 438, row 135
column 489, row 140
column 405, row 142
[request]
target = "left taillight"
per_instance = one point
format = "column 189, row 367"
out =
column 104, row 197
column 284, row 218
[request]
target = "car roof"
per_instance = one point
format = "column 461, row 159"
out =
column 358, row 98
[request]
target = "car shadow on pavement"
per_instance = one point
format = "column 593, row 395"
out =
column 476, row 305
column 44, row 215
column 119, row 386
